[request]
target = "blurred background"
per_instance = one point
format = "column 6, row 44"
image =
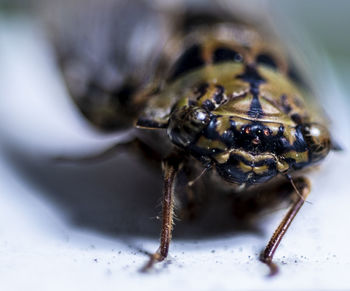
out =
column 85, row 227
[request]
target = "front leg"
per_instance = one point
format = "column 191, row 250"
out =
column 303, row 186
column 170, row 169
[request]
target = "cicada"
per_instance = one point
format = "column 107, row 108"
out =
column 217, row 98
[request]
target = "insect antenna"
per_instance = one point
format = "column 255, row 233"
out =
column 205, row 170
column 295, row 188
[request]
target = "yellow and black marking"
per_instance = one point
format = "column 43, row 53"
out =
column 236, row 104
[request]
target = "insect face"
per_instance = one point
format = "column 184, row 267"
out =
column 244, row 150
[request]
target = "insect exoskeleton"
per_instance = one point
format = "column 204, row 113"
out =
column 234, row 105
column 248, row 136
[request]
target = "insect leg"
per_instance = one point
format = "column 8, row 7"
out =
column 303, row 185
column 170, row 170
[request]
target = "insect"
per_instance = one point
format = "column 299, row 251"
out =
column 225, row 105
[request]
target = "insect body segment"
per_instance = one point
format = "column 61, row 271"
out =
column 233, row 106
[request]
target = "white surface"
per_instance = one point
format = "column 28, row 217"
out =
column 45, row 246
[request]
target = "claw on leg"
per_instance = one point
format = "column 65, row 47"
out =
column 272, row 266
column 154, row 258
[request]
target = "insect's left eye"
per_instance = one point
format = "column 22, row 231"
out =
column 267, row 60
column 318, row 140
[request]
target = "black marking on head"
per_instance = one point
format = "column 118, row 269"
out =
column 192, row 103
column 210, row 132
column 219, row 94
column 203, row 154
column 224, row 54
column 281, row 130
column 296, row 118
column 255, row 110
column 253, row 139
column 201, row 90
column 299, row 144
column 232, row 172
column 208, row 105
column 191, row 59
column 229, row 137
column 266, row 60
column 251, row 76
column 218, row 98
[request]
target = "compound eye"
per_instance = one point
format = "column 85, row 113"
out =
column 318, row 140
column 186, row 123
